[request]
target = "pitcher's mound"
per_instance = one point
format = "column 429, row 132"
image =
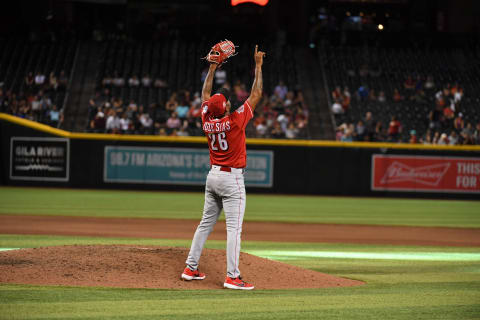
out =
column 149, row 267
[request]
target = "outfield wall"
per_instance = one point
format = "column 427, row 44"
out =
column 38, row 155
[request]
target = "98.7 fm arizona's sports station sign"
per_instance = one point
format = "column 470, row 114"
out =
column 180, row 166
column 425, row 174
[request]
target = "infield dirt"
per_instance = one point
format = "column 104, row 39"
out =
column 160, row 267
column 148, row 267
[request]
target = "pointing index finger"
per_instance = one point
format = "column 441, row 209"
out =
column 256, row 49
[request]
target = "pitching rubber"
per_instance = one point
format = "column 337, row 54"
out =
column 188, row 278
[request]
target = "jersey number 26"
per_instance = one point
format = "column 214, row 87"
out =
column 222, row 142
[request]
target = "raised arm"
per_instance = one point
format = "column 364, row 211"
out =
column 257, row 87
column 207, row 84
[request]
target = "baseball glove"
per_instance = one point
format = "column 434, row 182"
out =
column 220, row 52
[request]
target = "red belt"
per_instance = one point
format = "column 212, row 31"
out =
column 226, row 169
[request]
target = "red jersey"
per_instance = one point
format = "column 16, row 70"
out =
column 226, row 136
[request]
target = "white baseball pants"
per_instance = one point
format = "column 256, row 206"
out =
column 223, row 190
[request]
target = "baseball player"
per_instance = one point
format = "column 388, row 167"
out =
column 225, row 186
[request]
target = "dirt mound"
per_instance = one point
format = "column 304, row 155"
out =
column 148, row 267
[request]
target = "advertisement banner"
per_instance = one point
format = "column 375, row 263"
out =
column 425, row 173
column 39, row 159
column 184, row 166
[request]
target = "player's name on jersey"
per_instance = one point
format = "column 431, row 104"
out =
column 216, row 126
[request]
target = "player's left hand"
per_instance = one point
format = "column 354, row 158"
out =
column 220, row 52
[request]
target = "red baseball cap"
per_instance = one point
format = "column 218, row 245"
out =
column 217, row 104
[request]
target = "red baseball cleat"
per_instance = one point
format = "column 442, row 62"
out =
column 192, row 275
column 237, row 283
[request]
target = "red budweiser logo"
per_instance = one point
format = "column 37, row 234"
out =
column 429, row 175
column 418, row 173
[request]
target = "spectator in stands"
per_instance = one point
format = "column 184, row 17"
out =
column 448, row 113
column 427, row 138
column 240, row 91
column 476, row 134
column 397, row 97
column 62, row 80
column 107, row 81
column 379, row 132
column 381, row 97
column 369, row 126
column 280, row 90
column 173, row 122
column 409, row 83
column 36, row 106
column 277, row 132
column 419, row 83
column 443, row 139
column 337, row 107
column 118, row 81
column 283, row 120
column 340, row 131
column 292, row 131
column 53, row 81
column 40, row 80
column 360, row 131
column 162, row 132
column 98, row 123
column 337, row 93
column 261, row 127
column 453, row 138
column 113, row 122
column 348, row 135
column 182, row 109
column 29, row 80
column 413, row 137
column 160, row 83
column 458, row 122
column 125, row 124
column 429, row 84
column 172, row 102
column 468, row 129
column 362, row 93
column 435, row 119
column 419, row 97
column 436, row 137
column 182, row 131
column 45, row 101
column 220, row 77
column 466, row 139
column 301, row 123
column 195, row 110
column 133, row 81
column 146, row 122
column 394, row 129
column 146, row 80
column 457, row 94
column 346, row 98
column 372, row 95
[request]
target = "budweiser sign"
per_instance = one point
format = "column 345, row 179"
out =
column 425, row 173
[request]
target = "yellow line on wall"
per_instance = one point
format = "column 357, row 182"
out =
column 250, row 141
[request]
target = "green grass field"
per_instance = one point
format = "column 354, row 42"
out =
column 176, row 205
column 402, row 282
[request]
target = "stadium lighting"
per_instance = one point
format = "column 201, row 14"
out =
column 259, row 2
column 380, row 27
